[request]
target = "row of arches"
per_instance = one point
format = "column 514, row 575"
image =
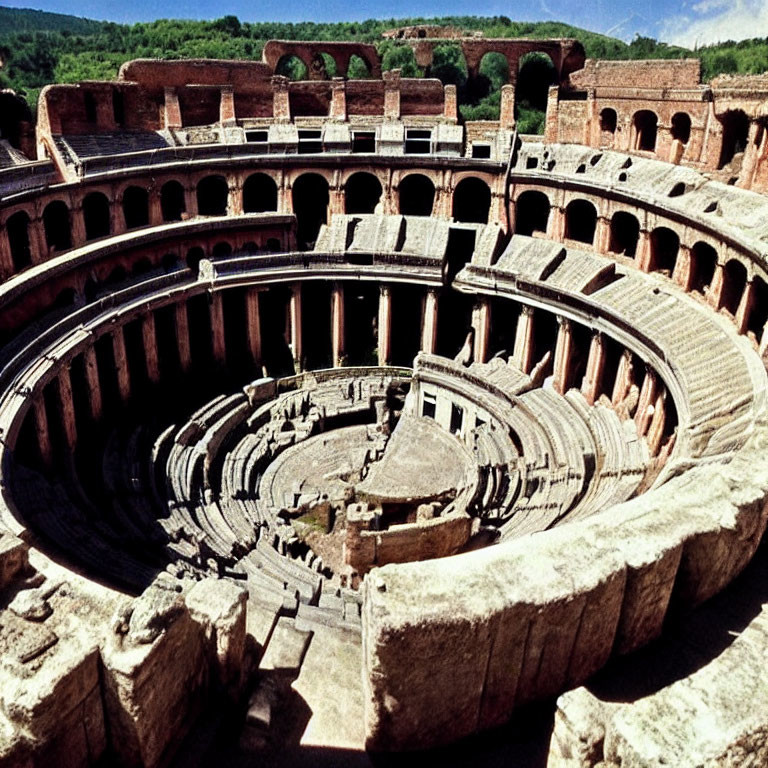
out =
column 695, row 268
column 644, row 127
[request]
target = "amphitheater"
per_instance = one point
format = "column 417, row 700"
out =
column 332, row 422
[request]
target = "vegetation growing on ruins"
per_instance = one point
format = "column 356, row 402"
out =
column 37, row 48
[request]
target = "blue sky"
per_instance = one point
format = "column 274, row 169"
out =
column 685, row 22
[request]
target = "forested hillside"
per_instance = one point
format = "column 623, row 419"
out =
column 37, row 48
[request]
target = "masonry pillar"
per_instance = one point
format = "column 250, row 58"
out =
column 67, row 407
column 181, row 320
column 556, row 224
column 190, row 202
column 78, row 224
column 155, row 208
column 337, row 324
column 121, row 363
column 643, row 252
column 648, row 393
column 656, row 427
column 338, row 110
column 523, row 352
column 715, row 290
column 481, row 323
column 254, row 324
column 218, row 341
column 6, row 259
column 429, row 322
column 507, row 108
column 235, row 198
column 91, row 365
column 590, row 386
column 41, row 430
column 281, row 106
column 227, row 106
column 172, row 110
column 295, row 322
column 602, row 235
column 385, row 325
column 746, row 304
column 38, row 248
column 682, row 273
column 391, row 94
column 116, row 218
column 563, row 349
column 552, row 120
column 149, row 337
column 623, row 378
column 450, row 103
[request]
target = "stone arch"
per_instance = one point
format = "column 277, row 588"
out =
column 580, row 221
column 735, row 133
column 665, row 245
column 259, row 193
column 17, row 229
column 609, row 120
column 625, row 233
column 734, row 282
column 681, row 127
column 58, row 231
column 135, row 207
column 96, row 215
column 362, row 193
column 644, row 128
column 531, row 212
column 703, row 266
column 471, row 201
column 172, row 201
column 358, row 68
column 293, row 67
column 416, row 195
column 212, row 195
column 449, row 65
column 310, row 196
column 758, row 315
column 536, row 73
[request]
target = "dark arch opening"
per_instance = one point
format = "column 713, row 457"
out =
column 531, row 213
column 472, row 201
column 221, row 249
column 17, row 228
column 645, row 125
column 703, row 265
column 310, row 205
column 96, row 215
column 417, row 195
column 735, row 131
column 56, row 224
column 734, row 281
column 580, row 221
column 362, row 193
column 759, row 314
column 259, row 193
column 212, row 193
column 665, row 244
column 292, row 67
column 136, row 207
column 449, row 65
column 608, row 120
column 625, row 232
column 536, row 74
column 194, row 257
column 681, row 127
column 172, row 203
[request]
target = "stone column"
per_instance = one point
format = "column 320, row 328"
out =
column 91, row 365
column 149, row 338
column 391, row 94
column 155, row 208
column 602, row 235
column 507, row 109
column 41, row 430
column 338, row 110
column 172, row 109
column 218, row 341
column 648, row 394
column 77, row 224
column 182, row 335
column 227, row 106
column 337, row 323
column 563, row 349
column 295, row 321
column 746, row 303
column 117, row 224
column 235, row 198
column 6, row 259
column 67, row 408
column 450, row 103
column 481, row 323
column 656, row 427
column 121, row 363
column 682, row 273
column 552, row 120
column 643, row 251
column 556, row 224
column 254, row 324
column 38, row 248
column 715, row 290
column 385, row 325
column 623, row 378
column 281, row 105
column 522, row 356
column 590, row 386
column 429, row 322
column 190, row 202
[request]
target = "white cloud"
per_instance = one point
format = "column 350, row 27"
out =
column 716, row 21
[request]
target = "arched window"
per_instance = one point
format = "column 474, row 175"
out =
column 310, row 205
column 531, row 213
column 608, row 120
column 362, row 193
column 735, row 131
column 56, row 224
column 417, row 195
column 212, row 194
column 681, row 127
column 580, row 221
column 222, row 249
column 17, row 228
column 136, row 207
column 625, row 231
column 471, row 201
column 96, row 215
column 759, row 314
column 703, row 265
column 644, row 125
column 665, row 244
column 292, row 67
column 172, row 201
column 536, row 74
column 259, row 193
column 734, row 282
